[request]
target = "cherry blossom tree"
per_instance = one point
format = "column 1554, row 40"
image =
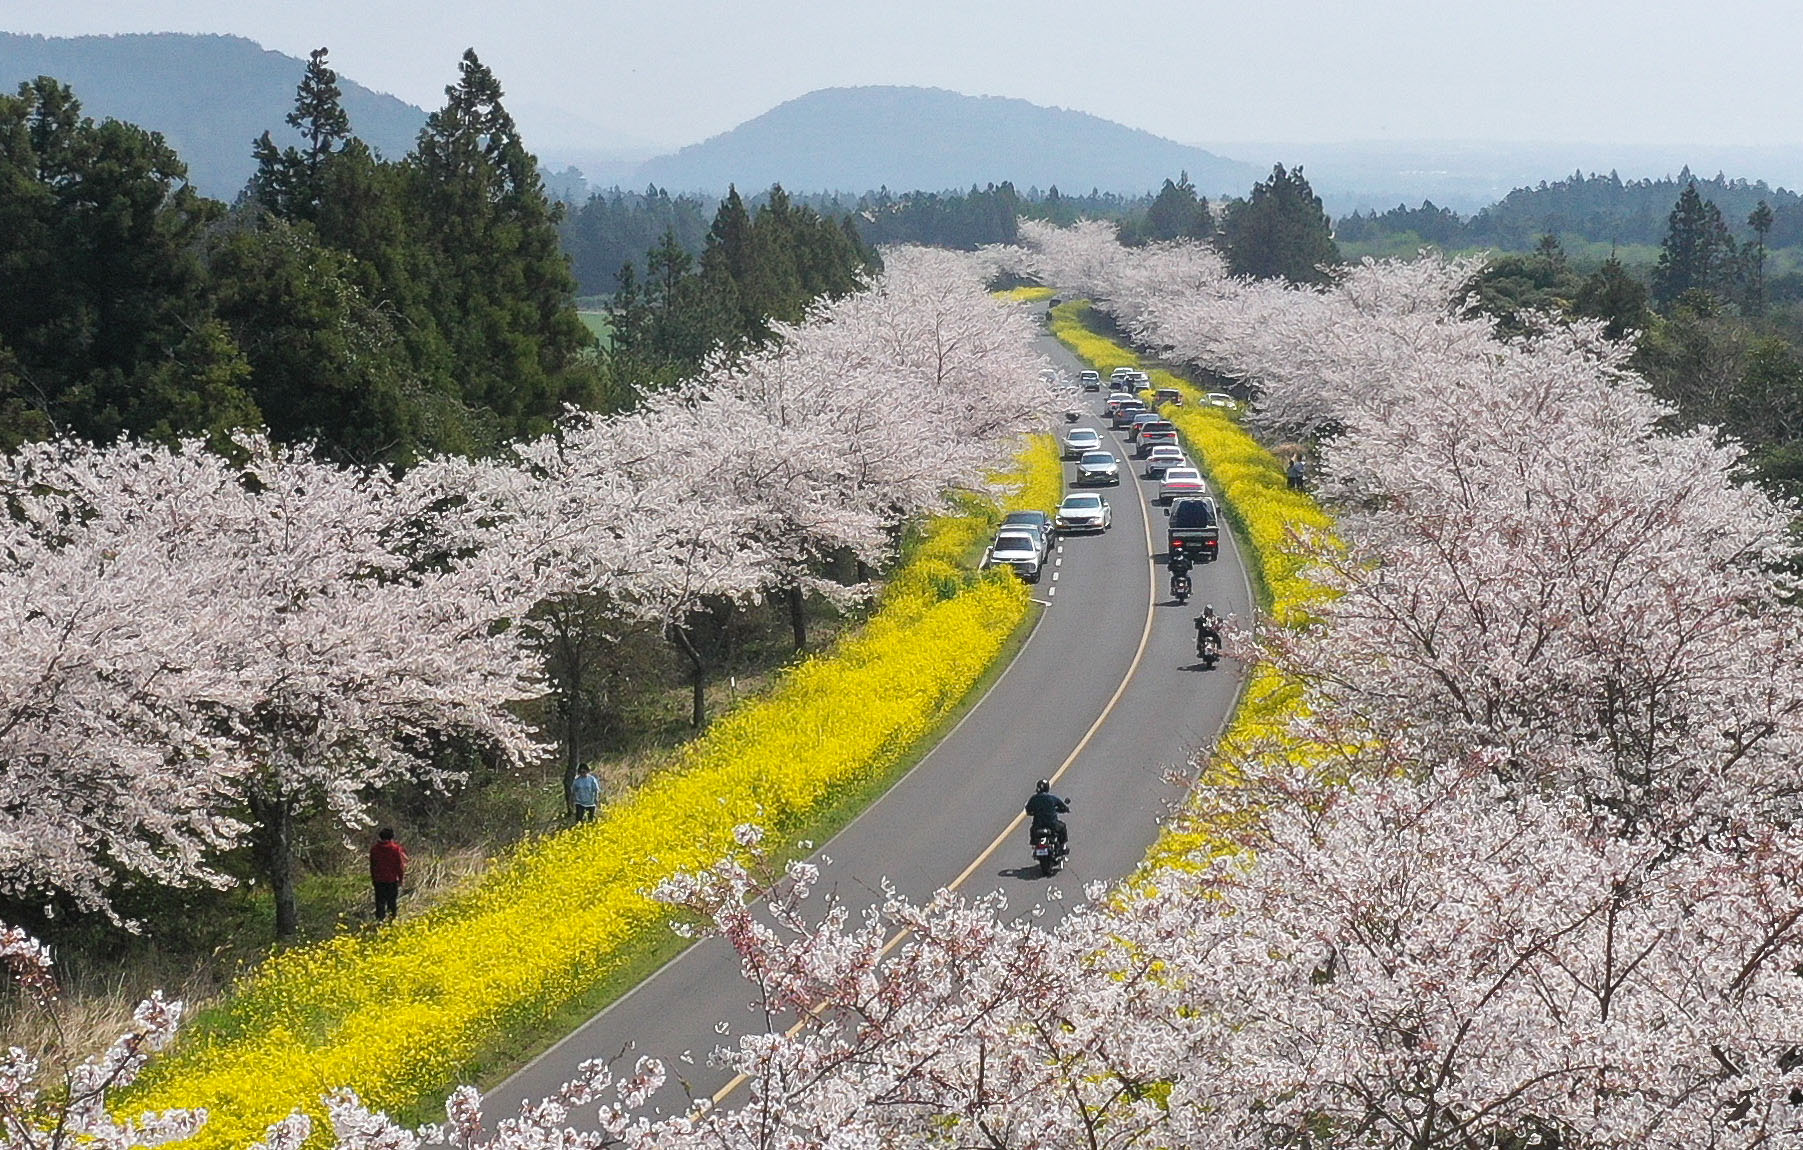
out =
column 110, row 765
column 317, row 658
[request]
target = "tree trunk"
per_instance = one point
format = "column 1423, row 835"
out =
column 698, row 675
column 570, row 666
column 798, row 616
column 273, row 846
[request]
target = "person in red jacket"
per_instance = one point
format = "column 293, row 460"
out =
column 387, row 866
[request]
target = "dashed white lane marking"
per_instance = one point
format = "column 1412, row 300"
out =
column 1054, row 576
column 1051, row 593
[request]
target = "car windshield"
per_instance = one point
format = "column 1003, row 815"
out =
column 1096, row 459
column 1016, row 542
column 1025, row 518
column 1177, row 474
column 1082, row 503
column 1167, row 451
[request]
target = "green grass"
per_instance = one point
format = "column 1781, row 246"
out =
column 596, row 322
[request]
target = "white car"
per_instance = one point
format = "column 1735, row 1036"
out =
column 1180, row 483
column 1162, row 458
column 1221, row 399
column 1091, row 380
column 1079, row 441
column 1119, row 373
column 1097, row 467
column 1016, row 549
column 1084, row 511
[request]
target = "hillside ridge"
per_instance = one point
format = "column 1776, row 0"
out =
column 209, row 95
column 858, row 139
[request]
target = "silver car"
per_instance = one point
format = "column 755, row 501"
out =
column 1097, row 467
column 1016, row 549
column 1079, row 440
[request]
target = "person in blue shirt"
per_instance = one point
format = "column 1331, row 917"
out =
column 585, row 793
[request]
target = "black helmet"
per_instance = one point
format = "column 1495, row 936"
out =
column 1209, row 610
column 1042, row 786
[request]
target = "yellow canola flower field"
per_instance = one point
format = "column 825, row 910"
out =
column 400, row 1015
column 1253, row 489
column 1030, row 293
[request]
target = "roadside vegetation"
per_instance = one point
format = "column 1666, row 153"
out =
column 452, row 995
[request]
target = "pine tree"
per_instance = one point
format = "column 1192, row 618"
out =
column 290, row 182
column 1697, row 254
column 1760, row 220
column 106, row 326
column 1178, row 213
column 500, row 286
column 1612, row 295
column 730, row 255
column 1280, row 230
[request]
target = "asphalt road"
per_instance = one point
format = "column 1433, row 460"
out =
column 1104, row 698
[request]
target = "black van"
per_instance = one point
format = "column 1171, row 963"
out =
column 1194, row 529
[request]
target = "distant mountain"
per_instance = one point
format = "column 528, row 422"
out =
column 861, row 139
column 210, row 96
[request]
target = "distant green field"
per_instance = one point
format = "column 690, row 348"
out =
column 1584, row 255
column 597, row 323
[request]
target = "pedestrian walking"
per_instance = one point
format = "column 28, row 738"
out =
column 387, row 867
column 585, row 793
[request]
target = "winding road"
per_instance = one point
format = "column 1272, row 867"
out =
column 1104, row 697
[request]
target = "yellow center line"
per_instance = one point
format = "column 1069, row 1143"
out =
column 1145, row 638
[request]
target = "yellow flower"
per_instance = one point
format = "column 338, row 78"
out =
column 400, row 1016
column 1254, row 493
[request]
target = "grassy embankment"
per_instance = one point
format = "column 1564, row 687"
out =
column 563, row 925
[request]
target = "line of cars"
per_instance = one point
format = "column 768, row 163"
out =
column 1193, row 524
column 1025, row 539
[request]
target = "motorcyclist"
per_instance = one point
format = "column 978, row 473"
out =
column 1208, row 630
column 1180, row 564
column 1045, row 807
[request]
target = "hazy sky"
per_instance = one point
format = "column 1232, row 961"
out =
column 673, row 72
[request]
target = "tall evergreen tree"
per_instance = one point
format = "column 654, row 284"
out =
column 105, row 322
column 1178, row 213
column 1697, row 254
column 502, row 292
column 1760, row 220
column 288, row 181
column 1615, row 297
column 1280, row 230
column 731, row 255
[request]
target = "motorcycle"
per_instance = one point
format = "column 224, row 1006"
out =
column 1180, row 586
column 1046, row 851
column 1070, row 416
column 1208, row 647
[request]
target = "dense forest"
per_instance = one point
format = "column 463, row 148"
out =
column 616, row 227
column 383, row 309
column 1720, row 338
column 1602, row 209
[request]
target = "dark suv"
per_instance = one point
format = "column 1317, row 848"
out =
column 1194, row 529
